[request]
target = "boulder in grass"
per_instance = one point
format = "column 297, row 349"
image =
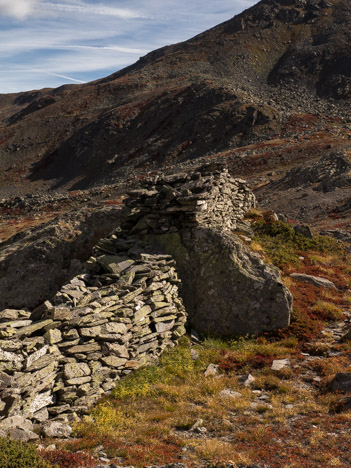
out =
column 18, row 428
column 314, row 280
column 279, row 364
column 347, row 336
column 22, row 435
column 57, row 429
column 342, row 382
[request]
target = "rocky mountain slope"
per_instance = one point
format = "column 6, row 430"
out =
column 237, row 84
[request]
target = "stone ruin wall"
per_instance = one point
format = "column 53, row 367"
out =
column 97, row 329
column 205, row 198
column 125, row 309
column 226, row 288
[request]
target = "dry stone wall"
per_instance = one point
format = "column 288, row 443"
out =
column 208, row 198
column 97, row 328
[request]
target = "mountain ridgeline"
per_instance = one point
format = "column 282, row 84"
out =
column 228, row 87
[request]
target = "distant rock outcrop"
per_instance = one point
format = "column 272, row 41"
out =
column 326, row 174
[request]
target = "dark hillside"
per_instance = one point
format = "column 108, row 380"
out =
column 233, row 85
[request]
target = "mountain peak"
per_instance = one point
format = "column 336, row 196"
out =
column 230, row 86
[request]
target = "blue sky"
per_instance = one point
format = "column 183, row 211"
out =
column 47, row 43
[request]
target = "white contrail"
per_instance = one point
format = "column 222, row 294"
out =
column 44, row 72
column 62, row 76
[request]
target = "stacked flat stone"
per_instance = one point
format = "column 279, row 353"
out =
column 206, row 198
column 96, row 329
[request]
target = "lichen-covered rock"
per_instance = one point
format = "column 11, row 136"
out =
column 57, row 429
column 18, row 428
column 314, row 280
column 227, row 289
column 34, row 265
column 235, row 293
column 22, row 435
column 16, row 422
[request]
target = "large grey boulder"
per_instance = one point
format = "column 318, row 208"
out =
column 226, row 288
column 35, row 264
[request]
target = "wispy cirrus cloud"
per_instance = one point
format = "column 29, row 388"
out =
column 93, row 9
column 48, row 43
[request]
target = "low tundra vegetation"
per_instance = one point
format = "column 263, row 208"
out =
column 321, row 256
column 66, row 459
column 173, row 412
column 284, row 246
column 15, row 454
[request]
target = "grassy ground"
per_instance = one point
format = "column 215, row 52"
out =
column 286, row 418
